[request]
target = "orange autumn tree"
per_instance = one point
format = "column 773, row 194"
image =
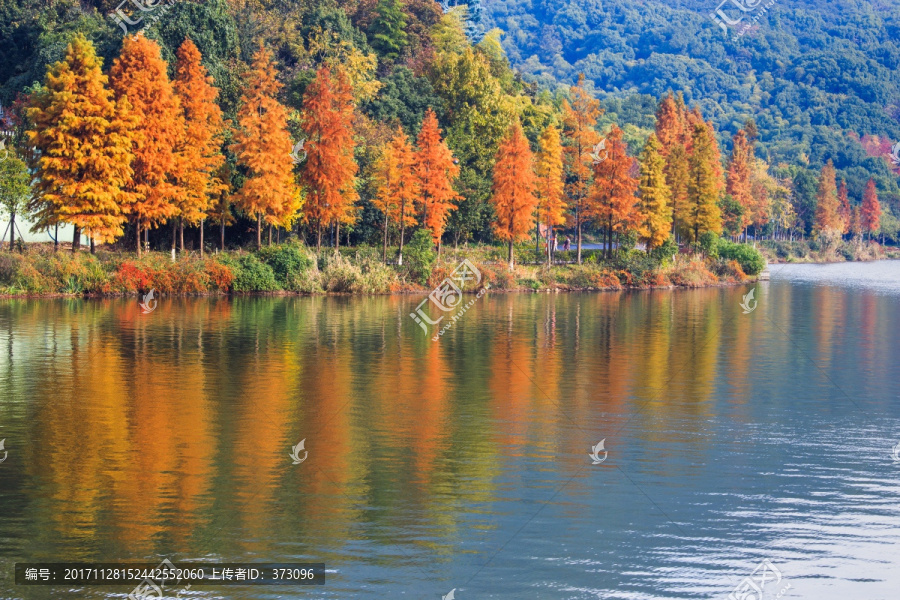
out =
column 580, row 117
column 396, row 186
column 201, row 148
column 551, row 181
column 435, row 172
column 828, row 219
column 329, row 174
column 140, row 74
column 514, row 197
column 870, row 210
column 612, row 202
column 737, row 182
column 83, row 140
column 262, row 145
column 674, row 135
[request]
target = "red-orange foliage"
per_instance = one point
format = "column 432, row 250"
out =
column 827, row 216
column 613, row 201
column 514, row 189
column 140, row 74
column 870, row 211
column 396, row 185
column 738, row 180
column 329, row 174
column 435, row 171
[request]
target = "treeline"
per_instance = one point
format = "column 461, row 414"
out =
column 367, row 122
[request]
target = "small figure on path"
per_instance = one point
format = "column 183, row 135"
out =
column 567, row 244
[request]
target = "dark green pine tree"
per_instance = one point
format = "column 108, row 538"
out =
column 388, row 30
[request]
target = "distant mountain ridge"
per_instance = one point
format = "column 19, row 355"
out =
column 813, row 76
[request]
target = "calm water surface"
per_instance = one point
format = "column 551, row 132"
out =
column 463, row 463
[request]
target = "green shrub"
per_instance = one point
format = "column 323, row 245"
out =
column 290, row 263
column 340, row 275
column 419, row 256
column 751, row 260
column 709, row 244
column 250, row 274
column 665, row 252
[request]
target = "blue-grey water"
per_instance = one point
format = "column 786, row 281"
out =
column 731, row 438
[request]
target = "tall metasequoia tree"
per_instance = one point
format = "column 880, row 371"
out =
column 828, row 218
column 674, row 136
column 870, row 210
column 655, row 214
column 201, row 149
column 262, row 145
column 551, row 182
column 83, row 141
column 514, row 197
column 435, row 172
column 845, row 211
column 705, row 184
column 329, row 174
column 612, row 202
column 737, row 182
column 396, row 187
column 140, row 75
column 580, row 117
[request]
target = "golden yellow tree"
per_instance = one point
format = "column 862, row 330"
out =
column 396, row 186
column 83, row 139
column 201, row 148
column 550, row 183
column 262, row 145
column 654, row 212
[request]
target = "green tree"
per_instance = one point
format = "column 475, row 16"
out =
column 15, row 190
column 388, row 31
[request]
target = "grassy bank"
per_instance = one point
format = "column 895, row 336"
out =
column 291, row 268
column 828, row 251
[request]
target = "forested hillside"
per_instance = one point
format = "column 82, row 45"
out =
column 366, row 120
column 815, row 76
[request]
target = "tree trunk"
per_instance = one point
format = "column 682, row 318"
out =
column 270, row 235
column 337, row 237
column 56, row 238
column 76, row 240
column 202, row 222
column 318, row 236
column 578, row 227
column 402, row 231
column 93, row 248
column 12, row 230
column 146, row 239
column 549, row 254
column 258, row 232
column 512, row 257
column 222, row 235
column 384, row 250
column 181, row 234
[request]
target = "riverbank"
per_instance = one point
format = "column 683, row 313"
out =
column 295, row 269
column 813, row 251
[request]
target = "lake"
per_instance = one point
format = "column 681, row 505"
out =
column 740, row 448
